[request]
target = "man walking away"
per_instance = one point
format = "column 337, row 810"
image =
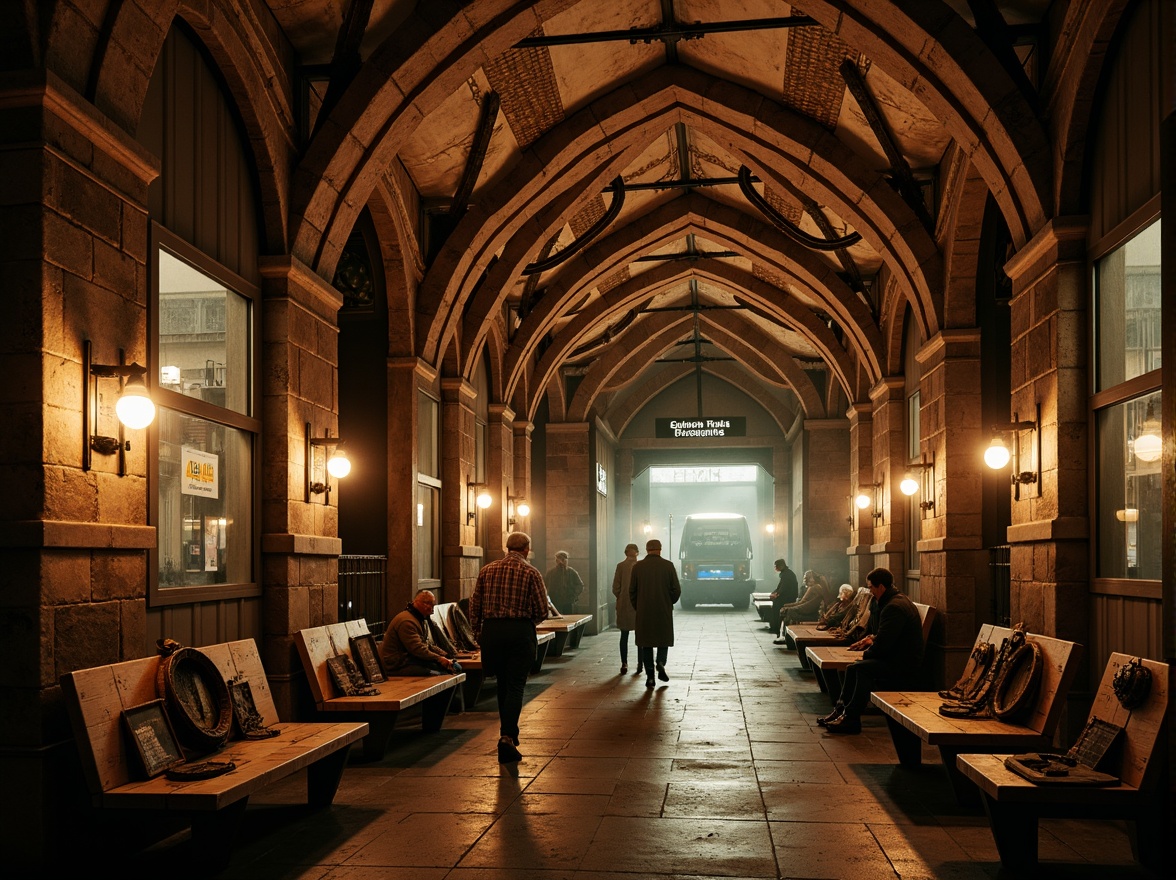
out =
column 509, row 599
column 653, row 590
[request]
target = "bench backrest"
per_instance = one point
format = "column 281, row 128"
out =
column 1141, row 726
column 1060, row 661
column 927, row 615
column 320, row 643
column 96, row 698
column 441, row 618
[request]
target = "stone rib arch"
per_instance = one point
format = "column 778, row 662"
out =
column 667, row 95
column 599, row 376
column 933, row 51
column 436, row 49
column 672, row 222
column 1002, row 132
column 400, row 263
column 623, row 297
column 121, row 71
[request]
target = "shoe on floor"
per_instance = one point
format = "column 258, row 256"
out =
column 837, row 712
column 661, row 673
column 507, row 752
column 624, row 669
column 844, row 724
column 638, row 671
column 649, row 682
column 780, row 641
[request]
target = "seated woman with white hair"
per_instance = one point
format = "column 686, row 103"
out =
column 835, row 613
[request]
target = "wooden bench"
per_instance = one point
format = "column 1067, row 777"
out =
column 472, row 666
column 568, row 630
column 829, row 661
column 432, row 693
column 1015, row 804
column 97, row 697
column 913, row 716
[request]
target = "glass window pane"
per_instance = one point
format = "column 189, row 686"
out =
column 204, row 333
column 428, row 462
column 205, row 502
column 427, row 528
column 1129, row 508
column 1128, row 282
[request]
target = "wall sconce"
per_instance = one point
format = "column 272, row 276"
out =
column 133, row 408
column 1147, row 446
column 925, row 485
column 477, row 498
column 338, row 465
column 863, row 501
column 997, row 455
column 516, row 505
column 770, row 528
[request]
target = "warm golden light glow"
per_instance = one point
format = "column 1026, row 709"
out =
column 996, row 455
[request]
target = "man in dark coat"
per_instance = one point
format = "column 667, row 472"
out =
column 891, row 656
column 653, row 589
column 785, row 593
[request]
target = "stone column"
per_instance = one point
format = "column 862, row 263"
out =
column 567, row 510
column 406, row 378
column 888, row 549
column 521, row 430
column 955, row 573
column 461, row 555
column 299, row 544
column 500, row 476
column 826, row 497
column 1049, row 555
column 861, row 476
column 74, row 584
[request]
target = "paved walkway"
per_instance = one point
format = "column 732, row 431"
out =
column 722, row 772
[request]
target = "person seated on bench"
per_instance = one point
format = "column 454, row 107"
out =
column 891, row 656
column 408, row 647
column 808, row 606
column 785, row 593
column 833, row 616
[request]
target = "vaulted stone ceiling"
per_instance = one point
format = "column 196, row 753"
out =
column 814, row 123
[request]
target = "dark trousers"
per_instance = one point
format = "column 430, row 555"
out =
column 862, row 678
column 508, row 650
column 645, row 656
column 624, row 647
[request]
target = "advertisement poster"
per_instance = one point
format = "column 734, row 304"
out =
column 200, row 477
column 211, row 542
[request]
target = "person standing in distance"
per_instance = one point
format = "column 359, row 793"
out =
column 653, row 590
column 564, row 584
column 626, row 613
column 509, row 599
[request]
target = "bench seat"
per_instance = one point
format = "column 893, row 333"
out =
column 432, row 693
column 97, row 697
column 913, row 716
column 568, row 629
column 1014, row 804
column 763, row 607
column 829, row 659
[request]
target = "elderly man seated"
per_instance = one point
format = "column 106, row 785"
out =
column 408, row 647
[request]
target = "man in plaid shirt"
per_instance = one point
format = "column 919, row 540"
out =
column 509, row 599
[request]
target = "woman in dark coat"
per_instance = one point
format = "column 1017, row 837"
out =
column 653, row 589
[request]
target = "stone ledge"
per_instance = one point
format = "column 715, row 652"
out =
column 1064, row 528
column 934, row 545
column 301, row 545
column 67, row 533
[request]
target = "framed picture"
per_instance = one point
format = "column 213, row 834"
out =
column 249, row 720
column 347, row 678
column 152, row 737
column 367, row 657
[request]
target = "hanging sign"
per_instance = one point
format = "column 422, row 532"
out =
column 199, row 473
column 707, row 426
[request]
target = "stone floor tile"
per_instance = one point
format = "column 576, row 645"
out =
column 424, row 840
column 823, row 850
column 655, row 847
column 719, row 799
